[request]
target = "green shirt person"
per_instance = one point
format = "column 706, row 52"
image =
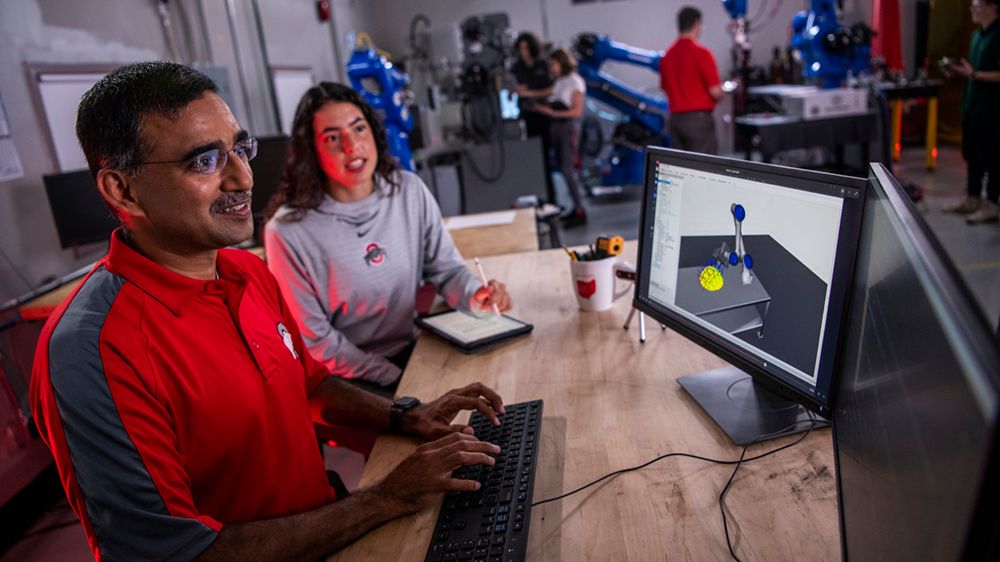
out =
column 981, row 116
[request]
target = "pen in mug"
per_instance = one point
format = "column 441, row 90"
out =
column 482, row 277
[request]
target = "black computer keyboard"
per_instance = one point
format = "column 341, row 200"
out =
column 491, row 524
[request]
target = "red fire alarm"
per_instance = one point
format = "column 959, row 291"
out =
column 323, row 10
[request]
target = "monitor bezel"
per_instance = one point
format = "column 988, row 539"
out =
column 839, row 290
column 980, row 536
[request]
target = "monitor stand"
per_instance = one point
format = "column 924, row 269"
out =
column 744, row 409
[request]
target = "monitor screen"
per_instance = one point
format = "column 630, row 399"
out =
column 752, row 261
column 78, row 209
column 915, row 424
column 267, row 168
column 509, row 109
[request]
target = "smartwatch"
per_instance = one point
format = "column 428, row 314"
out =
column 400, row 406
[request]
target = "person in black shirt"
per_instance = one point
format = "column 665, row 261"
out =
column 981, row 115
column 533, row 82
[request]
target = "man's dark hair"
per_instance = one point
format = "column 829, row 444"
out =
column 993, row 2
column 534, row 46
column 303, row 182
column 687, row 18
column 108, row 123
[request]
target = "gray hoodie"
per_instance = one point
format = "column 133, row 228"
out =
column 350, row 272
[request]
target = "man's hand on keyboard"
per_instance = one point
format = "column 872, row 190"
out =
column 427, row 471
column 433, row 420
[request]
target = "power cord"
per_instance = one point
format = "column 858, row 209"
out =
column 814, row 423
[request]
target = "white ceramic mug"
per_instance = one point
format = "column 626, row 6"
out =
column 594, row 282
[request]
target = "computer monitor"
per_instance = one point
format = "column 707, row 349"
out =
column 509, row 108
column 267, row 168
column 753, row 262
column 915, row 424
column 79, row 211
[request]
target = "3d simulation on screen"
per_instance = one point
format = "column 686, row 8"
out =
column 724, row 291
column 751, row 260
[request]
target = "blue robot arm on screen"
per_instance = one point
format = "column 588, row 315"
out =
column 644, row 116
column 829, row 49
column 738, row 256
column 384, row 87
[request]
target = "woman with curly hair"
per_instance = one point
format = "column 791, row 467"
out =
column 351, row 236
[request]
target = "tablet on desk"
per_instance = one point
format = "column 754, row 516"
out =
column 471, row 332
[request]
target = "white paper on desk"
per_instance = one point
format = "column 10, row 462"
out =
column 10, row 163
column 479, row 219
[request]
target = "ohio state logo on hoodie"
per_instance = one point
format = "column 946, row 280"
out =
column 374, row 254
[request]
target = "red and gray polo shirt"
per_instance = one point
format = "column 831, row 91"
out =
column 174, row 406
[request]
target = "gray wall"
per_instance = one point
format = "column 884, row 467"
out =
column 109, row 31
column 49, row 31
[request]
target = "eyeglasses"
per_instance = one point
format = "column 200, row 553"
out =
column 215, row 159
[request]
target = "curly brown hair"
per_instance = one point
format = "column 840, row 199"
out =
column 303, row 183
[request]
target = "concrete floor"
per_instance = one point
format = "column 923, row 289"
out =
column 974, row 249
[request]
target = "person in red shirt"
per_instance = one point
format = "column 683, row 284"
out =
column 690, row 78
column 173, row 387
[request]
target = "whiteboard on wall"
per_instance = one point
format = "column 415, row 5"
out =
column 59, row 93
column 290, row 83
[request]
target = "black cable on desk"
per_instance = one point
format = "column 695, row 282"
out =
column 725, row 489
column 722, row 496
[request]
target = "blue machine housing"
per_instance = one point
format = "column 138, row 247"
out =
column 384, row 87
column 829, row 50
column 644, row 117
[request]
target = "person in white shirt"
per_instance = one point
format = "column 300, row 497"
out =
column 566, row 108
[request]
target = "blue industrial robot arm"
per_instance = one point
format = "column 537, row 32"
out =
column 594, row 51
column 735, row 8
column 384, row 87
column 829, row 49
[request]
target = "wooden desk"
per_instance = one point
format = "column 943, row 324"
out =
column 611, row 403
column 518, row 236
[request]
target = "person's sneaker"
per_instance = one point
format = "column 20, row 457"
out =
column 965, row 206
column 577, row 217
column 988, row 212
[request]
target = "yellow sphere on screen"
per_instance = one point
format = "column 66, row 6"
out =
column 711, row 279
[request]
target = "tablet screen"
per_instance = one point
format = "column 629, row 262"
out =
column 467, row 328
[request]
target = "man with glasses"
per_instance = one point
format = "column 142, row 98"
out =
column 981, row 116
column 173, row 386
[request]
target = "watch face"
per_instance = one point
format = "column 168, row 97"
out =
column 406, row 402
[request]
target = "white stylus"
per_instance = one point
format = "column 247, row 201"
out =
column 482, row 277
